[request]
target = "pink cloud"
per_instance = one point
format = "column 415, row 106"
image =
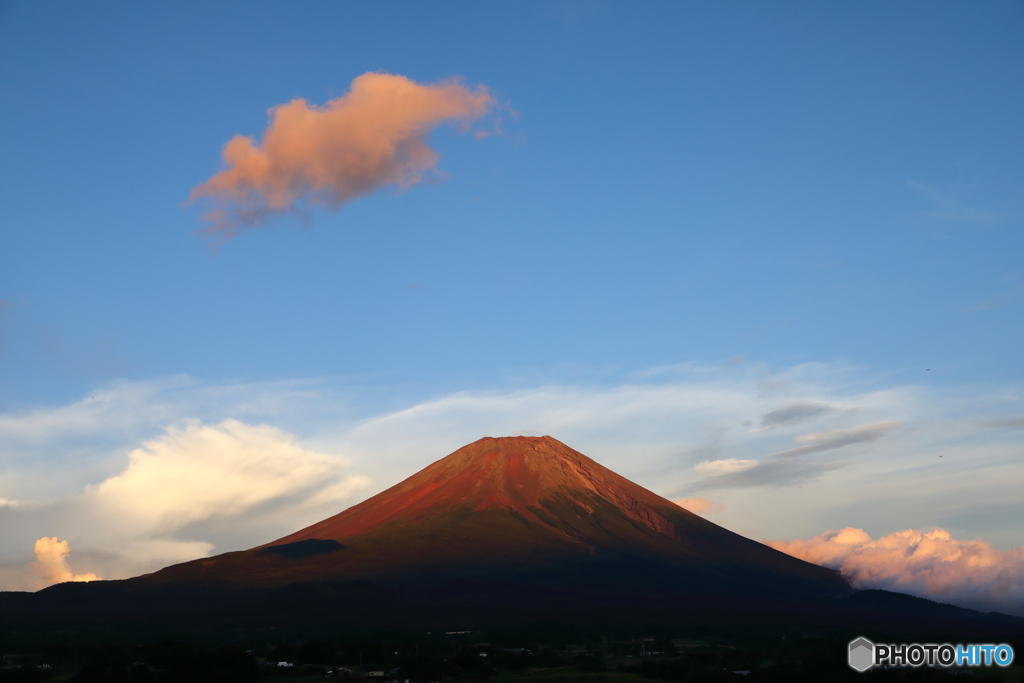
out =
column 373, row 136
column 51, row 563
column 931, row 565
column 699, row 505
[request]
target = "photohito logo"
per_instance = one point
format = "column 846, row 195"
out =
column 863, row 654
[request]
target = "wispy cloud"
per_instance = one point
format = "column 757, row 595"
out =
column 948, row 209
column 788, row 467
column 789, row 472
column 1002, row 299
column 373, row 136
column 931, row 565
column 838, row 438
column 713, row 468
column 1003, row 422
column 5, row 307
column 792, row 413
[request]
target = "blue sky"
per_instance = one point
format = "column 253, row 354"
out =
column 692, row 194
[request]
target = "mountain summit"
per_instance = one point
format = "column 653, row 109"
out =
column 532, row 480
column 535, row 488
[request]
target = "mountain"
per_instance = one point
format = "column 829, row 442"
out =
column 502, row 531
column 521, row 511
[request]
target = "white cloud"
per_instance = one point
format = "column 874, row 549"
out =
column 711, row 468
column 931, row 565
column 178, row 488
column 198, row 471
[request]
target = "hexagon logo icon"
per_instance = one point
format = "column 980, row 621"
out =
column 861, row 656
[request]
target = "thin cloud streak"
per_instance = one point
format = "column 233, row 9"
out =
column 839, row 438
column 1003, row 422
column 374, row 135
column 791, row 472
column 792, row 413
column 787, row 468
column 950, row 210
column 713, row 468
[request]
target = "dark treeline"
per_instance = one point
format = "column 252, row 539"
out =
column 771, row 655
column 707, row 664
column 162, row 662
column 428, row 659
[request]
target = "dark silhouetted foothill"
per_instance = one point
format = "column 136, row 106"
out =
column 301, row 549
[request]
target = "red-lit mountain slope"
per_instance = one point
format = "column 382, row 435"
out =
column 519, row 476
column 522, row 510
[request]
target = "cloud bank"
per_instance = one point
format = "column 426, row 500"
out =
column 932, row 565
column 51, row 564
column 375, row 135
column 178, row 494
column 196, row 472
